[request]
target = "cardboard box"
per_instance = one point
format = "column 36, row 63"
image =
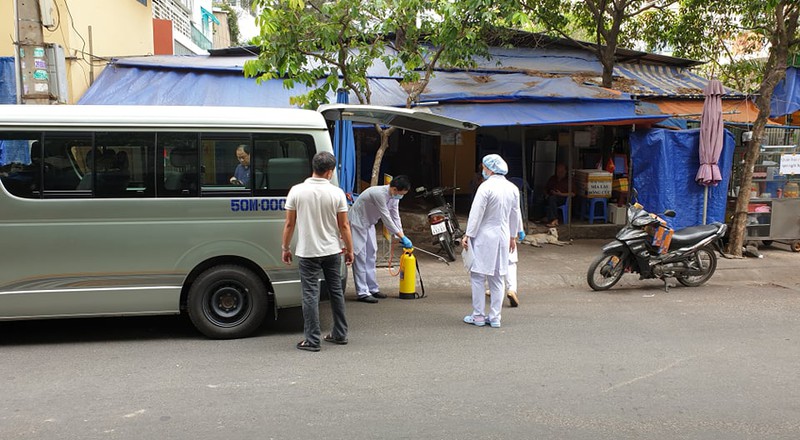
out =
column 593, row 183
column 620, row 184
column 617, row 214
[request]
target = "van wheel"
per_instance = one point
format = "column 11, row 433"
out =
column 227, row 302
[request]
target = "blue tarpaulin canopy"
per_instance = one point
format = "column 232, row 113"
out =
column 522, row 99
column 528, row 100
column 786, row 97
column 139, row 85
column 11, row 151
column 664, row 166
column 344, row 148
column 8, row 85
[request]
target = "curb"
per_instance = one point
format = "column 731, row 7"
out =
column 565, row 267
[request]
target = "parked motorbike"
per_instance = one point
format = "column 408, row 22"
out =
column 442, row 220
column 690, row 258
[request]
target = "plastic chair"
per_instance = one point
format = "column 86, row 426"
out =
column 589, row 209
column 522, row 184
column 564, row 210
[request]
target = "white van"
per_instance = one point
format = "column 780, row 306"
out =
column 134, row 210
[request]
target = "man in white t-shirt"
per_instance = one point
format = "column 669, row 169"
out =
column 318, row 210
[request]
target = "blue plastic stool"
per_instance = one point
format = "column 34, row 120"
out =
column 590, row 211
column 564, row 213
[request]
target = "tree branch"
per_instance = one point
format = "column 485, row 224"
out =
column 652, row 5
column 556, row 29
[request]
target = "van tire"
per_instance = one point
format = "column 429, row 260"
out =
column 227, row 302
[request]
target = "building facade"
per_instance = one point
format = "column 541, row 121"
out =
column 192, row 25
column 89, row 34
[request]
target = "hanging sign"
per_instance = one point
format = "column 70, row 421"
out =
column 790, row 164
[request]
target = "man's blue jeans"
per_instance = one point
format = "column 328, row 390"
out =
column 311, row 271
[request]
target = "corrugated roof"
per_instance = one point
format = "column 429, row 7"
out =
column 649, row 80
column 507, row 87
column 522, row 39
column 556, row 71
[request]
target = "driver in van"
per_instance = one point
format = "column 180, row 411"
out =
column 241, row 175
column 375, row 203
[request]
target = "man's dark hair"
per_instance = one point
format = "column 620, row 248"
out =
column 323, row 162
column 401, row 183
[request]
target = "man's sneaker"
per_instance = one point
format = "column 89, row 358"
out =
column 495, row 324
column 479, row 321
column 378, row 295
column 367, row 299
column 512, row 298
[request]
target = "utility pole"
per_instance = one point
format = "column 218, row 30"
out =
column 32, row 74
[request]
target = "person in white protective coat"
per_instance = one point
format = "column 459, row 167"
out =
column 375, row 203
column 491, row 235
column 511, row 277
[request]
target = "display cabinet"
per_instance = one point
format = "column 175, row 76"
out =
column 773, row 213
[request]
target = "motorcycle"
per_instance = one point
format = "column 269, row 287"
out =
column 690, row 257
column 442, row 220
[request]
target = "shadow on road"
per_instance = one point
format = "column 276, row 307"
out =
column 55, row 331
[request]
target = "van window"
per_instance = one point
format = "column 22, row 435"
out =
column 178, row 166
column 227, row 164
column 121, row 164
column 63, row 152
column 23, row 176
column 281, row 161
column 164, row 164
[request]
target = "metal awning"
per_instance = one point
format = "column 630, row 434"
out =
column 418, row 120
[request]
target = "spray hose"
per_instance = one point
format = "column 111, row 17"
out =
column 419, row 274
column 391, row 255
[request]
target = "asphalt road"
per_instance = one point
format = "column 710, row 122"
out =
column 717, row 362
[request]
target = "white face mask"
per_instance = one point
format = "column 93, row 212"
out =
column 397, row 196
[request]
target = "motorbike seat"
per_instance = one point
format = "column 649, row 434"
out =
column 691, row 235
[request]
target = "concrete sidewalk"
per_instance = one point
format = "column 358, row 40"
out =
column 553, row 267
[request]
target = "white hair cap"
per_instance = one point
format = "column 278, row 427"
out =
column 495, row 163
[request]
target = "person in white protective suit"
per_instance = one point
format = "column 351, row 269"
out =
column 375, row 203
column 491, row 235
column 511, row 277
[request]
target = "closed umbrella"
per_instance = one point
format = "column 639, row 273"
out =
column 344, row 148
column 711, row 139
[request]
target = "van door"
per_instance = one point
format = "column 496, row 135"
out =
column 420, row 120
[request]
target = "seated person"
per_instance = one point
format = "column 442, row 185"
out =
column 241, row 175
column 557, row 190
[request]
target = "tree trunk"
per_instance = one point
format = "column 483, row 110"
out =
column 738, row 228
column 376, row 166
column 775, row 71
column 606, row 55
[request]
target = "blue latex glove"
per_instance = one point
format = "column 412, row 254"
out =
column 521, row 235
column 406, row 243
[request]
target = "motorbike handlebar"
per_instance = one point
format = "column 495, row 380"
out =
column 425, row 192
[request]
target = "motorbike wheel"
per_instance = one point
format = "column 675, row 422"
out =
column 708, row 261
column 605, row 271
column 446, row 242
